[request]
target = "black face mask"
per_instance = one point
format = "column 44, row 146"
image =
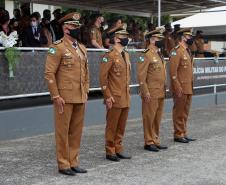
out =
column 189, row 41
column 75, row 33
column 159, row 44
column 124, row 42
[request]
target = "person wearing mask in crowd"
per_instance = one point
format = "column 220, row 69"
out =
column 151, row 75
column 57, row 28
column 114, row 25
column 25, row 17
column 169, row 42
column 33, row 35
column 95, row 35
column 67, row 75
column 200, row 43
column 14, row 22
column 181, row 76
column 115, row 69
column 47, row 28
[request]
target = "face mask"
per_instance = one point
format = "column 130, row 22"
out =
column 189, row 41
column 34, row 24
column 75, row 33
column 159, row 44
column 124, row 42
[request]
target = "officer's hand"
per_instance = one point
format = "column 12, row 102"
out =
column 147, row 97
column 109, row 102
column 59, row 102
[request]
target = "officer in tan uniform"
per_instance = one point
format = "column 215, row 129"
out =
column 114, row 77
column 67, row 74
column 95, row 34
column 151, row 75
column 181, row 75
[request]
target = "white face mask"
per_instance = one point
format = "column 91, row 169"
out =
column 34, row 24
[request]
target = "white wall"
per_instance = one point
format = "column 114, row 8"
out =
column 217, row 46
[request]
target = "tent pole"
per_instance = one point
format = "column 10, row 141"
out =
column 159, row 13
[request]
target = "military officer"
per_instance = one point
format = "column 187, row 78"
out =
column 181, row 75
column 151, row 75
column 67, row 75
column 114, row 77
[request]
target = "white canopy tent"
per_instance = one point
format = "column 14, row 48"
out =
column 211, row 22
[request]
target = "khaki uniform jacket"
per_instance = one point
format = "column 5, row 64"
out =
column 200, row 45
column 95, row 34
column 151, row 73
column 67, row 73
column 115, row 77
column 181, row 70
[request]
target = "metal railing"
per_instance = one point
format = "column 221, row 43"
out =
column 98, row 89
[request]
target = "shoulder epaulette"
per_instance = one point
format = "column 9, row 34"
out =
column 146, row 50
column 57, row 42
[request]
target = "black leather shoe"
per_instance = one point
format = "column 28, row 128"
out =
column 78, row 170
column 181, row 140
column 190, row 139
column 67, row 172
column 113, row 158
column 151, row 148
column 123, row 155
column 161, row 147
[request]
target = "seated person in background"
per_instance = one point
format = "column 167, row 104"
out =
column 199, row 42
column 14, row 22
column 57, row 29
column 169, row 42
column 95, row 35
column 114, row 25
column 47, row 28
column 4, row 22
column 33, row 35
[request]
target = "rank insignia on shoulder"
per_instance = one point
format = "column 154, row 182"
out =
column 52, row 51
column 105, row 60
column 57, row 42
column 145, row 51
column 141, row 59
column 173, row 53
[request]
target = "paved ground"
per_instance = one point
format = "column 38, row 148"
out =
column 31, row 161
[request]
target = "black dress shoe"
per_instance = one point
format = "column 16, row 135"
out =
column 161, row 147
column 181, row 140
column 190, row 139
column 78, row 170
column 123, row 155
column 113, row 158
column 151, row 148
column 67, row 172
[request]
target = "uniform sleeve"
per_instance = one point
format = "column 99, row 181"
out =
column 174, row 64
column 142, row 69
column 87, row 78
column 51, row 67
column 93, row 34
column 105, row 66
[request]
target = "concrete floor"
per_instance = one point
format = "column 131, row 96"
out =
column 31, row 161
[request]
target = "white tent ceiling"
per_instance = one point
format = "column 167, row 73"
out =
column 135, row 7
